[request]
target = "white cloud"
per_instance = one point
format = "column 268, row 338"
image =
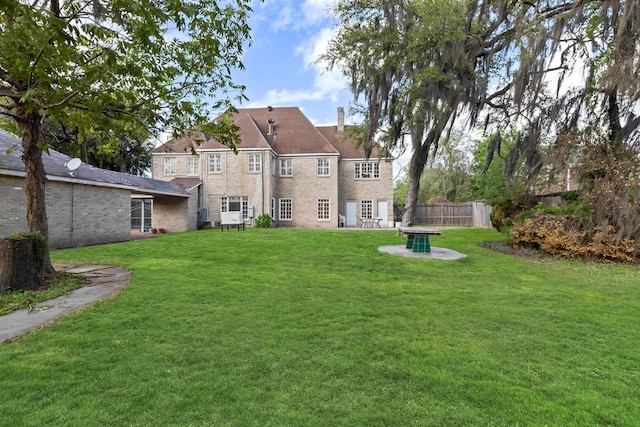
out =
column 329, row 82
column 315, row 11
column 291, row 14
column 327, row 85
column 284, row 18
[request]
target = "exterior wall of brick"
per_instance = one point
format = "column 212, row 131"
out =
column 13, row 215
column 267, row 187
column 235, row 180
column 263, row 188
column 78, row 215
column 175, row 214
column 305, row 187
column 376, row 189
column 157, row 167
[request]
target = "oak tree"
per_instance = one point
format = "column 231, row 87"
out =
column 419, row 67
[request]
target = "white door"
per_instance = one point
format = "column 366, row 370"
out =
column 382, row 213
column 351, row 218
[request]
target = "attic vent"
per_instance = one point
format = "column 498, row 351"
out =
column 269, row 108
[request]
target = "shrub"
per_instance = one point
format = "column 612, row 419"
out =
column 506, row 210
column 264, row 221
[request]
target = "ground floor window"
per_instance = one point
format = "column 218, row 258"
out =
column 366, row 209
column 323, row 209
column 273, row 207
column 235, row 204
column 286, row 209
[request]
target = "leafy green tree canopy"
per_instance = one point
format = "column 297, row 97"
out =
column 105, row 64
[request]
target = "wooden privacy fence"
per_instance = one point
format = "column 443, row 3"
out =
column 470, row 214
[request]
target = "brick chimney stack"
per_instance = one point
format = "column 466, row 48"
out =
column 340, row 119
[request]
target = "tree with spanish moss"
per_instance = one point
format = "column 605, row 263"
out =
column 419, row 67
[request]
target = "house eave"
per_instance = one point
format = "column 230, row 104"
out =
column 71, row 180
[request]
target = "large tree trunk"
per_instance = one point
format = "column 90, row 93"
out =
column 416, row 167
column 421, row 148
column 35, row 180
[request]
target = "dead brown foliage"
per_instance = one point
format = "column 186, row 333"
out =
column 562, row 237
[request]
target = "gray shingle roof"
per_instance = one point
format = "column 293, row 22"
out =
column 55, row 167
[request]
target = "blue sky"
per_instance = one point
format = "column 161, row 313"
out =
column 281, row 65
column 281, row 68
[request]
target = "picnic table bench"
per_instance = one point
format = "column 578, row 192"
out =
column 418, row 238
column 222, row 226
column 231, row 219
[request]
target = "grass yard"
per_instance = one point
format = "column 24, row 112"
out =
column 277, row 327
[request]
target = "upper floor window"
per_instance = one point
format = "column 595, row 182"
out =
column 369, row 170
column 169, row 165
column 193, row 166
column 286, row 167
column 254, row 163
column 323, row 167
column 215, row 163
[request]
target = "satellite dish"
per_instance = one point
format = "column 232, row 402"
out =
column 73, row 164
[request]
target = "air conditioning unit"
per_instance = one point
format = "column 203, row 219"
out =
column 231, row 218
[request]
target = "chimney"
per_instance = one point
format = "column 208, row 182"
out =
column 340, row 119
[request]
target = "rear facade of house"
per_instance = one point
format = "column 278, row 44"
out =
column 299, row 174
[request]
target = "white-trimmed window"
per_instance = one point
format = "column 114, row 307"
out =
column 169, row 165
column 366, row 209
column 368, row 170
column 254, row 162
column 273, row 207
column 235, row 204
column 323, row 167
column 215, row 163
column 286, row 167
column 323, row 209
column 286, row 209
column 193, row 166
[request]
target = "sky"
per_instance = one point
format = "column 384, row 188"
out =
column 281, row 67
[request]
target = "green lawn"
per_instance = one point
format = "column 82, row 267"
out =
column 275, row 327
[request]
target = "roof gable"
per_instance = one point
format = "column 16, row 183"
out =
column 250, row 135
column 346, row 145
column 290, row 132
column 184, row 144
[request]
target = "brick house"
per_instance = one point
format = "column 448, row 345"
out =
column 299, row 174
column 89, row 205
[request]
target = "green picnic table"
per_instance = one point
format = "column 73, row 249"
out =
column 418, row 238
